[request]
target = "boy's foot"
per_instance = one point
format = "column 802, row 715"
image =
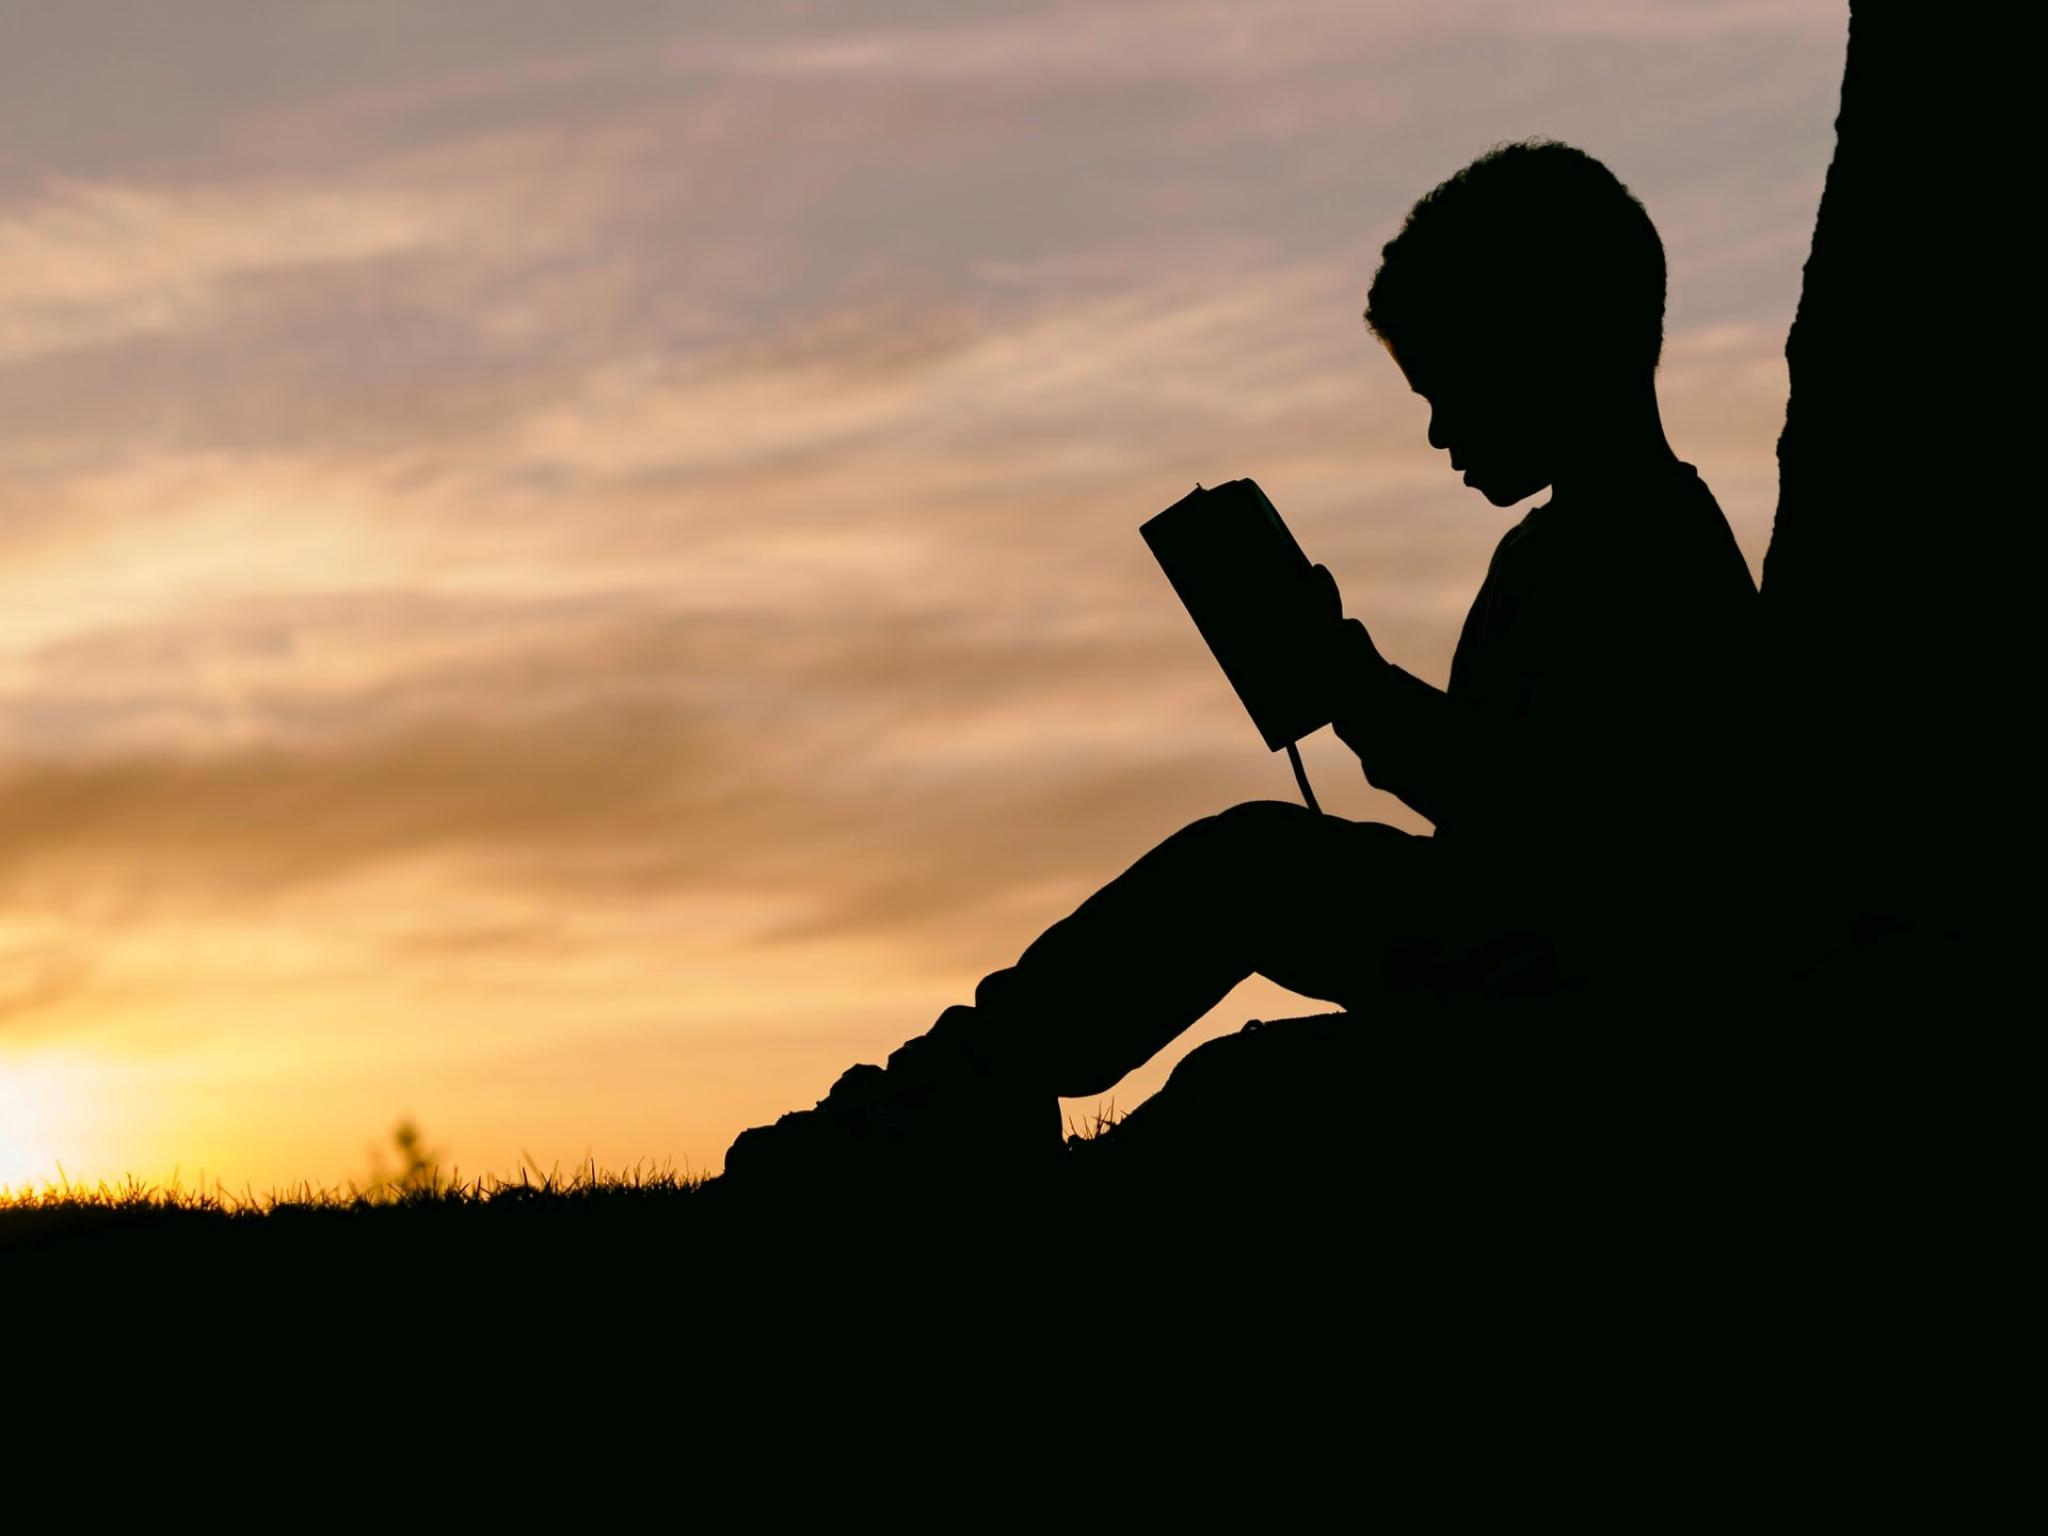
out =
column 941, row 1113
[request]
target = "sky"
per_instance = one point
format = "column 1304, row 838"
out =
column 570, row 571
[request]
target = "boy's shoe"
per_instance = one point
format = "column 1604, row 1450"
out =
column 940, row 1114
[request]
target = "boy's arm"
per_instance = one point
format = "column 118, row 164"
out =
column 1412, row 739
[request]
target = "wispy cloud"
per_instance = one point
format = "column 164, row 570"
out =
column 96, row 265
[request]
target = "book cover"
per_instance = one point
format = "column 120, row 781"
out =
column 1249, row 588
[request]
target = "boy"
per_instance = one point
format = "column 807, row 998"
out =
column 1584, row 769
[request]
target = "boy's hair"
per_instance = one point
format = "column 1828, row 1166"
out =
column 1533, row 241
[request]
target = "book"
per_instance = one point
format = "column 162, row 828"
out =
column 1251, row 592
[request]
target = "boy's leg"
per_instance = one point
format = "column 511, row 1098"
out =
column 1317, row 903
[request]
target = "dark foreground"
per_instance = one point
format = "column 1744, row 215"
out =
column 1695, row 1166
column 1665, row 1255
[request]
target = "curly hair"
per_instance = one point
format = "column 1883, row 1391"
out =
column 1533, row 241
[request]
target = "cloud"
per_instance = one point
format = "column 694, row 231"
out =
column 1083, row 381
column 1688, row 19
column 34, row 979
column 96, row 265
column 717, row 738
column 1112, row 46
column 839, row 670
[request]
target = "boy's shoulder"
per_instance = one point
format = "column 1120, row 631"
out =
column 1532, row 524
column 1663, row 542
column 1671, row 510
column 1529, row 540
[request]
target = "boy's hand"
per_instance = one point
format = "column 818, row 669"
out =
column 1352, row 646
column 1350, row 660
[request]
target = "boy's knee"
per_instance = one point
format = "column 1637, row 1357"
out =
column 1261, row 818
column 1243, row 841
column 1256, row 830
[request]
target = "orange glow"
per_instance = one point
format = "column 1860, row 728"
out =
column 45, row 1107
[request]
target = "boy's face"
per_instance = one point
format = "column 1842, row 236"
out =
column 1496, row 418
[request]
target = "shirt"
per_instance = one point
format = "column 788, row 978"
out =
column 1594, row 740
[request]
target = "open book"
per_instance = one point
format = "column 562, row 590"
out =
column 1251, row 593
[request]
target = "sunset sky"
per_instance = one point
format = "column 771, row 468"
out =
column 571, row 570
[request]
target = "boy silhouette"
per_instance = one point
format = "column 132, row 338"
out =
column 1585, row 769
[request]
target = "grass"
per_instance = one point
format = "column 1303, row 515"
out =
column 588, row 1181
column 1263, row 1252
column 66, row 1221
column 430, row 1237
column 423, row 1185
column 425, row 1214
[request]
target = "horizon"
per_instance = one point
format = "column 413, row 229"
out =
column 572, row 577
